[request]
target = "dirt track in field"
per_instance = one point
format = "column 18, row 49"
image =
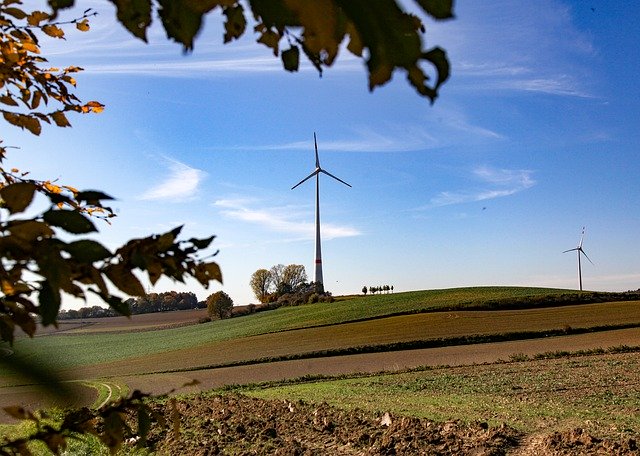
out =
column 376, row 362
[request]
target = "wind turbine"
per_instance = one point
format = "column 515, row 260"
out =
column 318, row 259
column 580, row 251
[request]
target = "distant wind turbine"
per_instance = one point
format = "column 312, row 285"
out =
column 580, row 251
column 318, row 257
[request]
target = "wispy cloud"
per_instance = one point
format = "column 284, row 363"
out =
column 282, row 219
column 539, row 48
column 180, row 184
column 497, row 183
column 448, row 128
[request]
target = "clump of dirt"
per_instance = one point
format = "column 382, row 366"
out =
column 241, row 425
column 577, row 441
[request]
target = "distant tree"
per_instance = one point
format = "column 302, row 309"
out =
column 261, row 282
column 391, row 288
column 277, row 275
column 364, row 290
column 294, row 276
column 219, row 305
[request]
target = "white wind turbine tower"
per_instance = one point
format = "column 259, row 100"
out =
column 580, row 251
column 318, row 259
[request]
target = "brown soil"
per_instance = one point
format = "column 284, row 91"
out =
column 240, row 425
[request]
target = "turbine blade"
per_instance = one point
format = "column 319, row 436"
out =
column 581, row 238
column 306, row 178
column 582, row 251
column 336, row 178
column 315, row 141
column 570, row 250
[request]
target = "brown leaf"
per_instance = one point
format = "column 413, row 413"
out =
column 60, row 119
column 124, row 280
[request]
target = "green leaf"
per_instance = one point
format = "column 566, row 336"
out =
column 60, row 4
column 70, row 221
column 144, row 423
column 17, row 197
column 124, row 280
column 439, row 9
column 87, row 251
column 29, row 230
column 180, row 21
column 92, row 196
column 49, row 299
column 202, row 243
column 206, row 272
column 291, row 58
column 117, row 304
column 135, row 15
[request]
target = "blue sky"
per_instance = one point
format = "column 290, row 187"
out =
column 534, row 136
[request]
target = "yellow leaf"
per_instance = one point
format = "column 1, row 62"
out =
column 53, row 31
column 31, row 47
column 93, row 106
column 36, row 17
column 52, row 188
column 7, row 287
column 83, row 25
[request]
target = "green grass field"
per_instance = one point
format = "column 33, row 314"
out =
column 356, row 322
column 597, row 392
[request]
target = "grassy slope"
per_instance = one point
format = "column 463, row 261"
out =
column 81, row 349
column 598, row 393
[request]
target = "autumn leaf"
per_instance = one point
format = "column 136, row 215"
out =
column 270, row 39
column 60, row 119
column 83, row 25
column 93, row 106
column 8, row 100
column 53, row 31
column 36, row 17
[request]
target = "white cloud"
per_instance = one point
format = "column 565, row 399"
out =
column 180, row 184
column 282, row 219
column 501, row 182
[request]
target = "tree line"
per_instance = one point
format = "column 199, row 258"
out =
column 374, row 290
column 152, row 302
